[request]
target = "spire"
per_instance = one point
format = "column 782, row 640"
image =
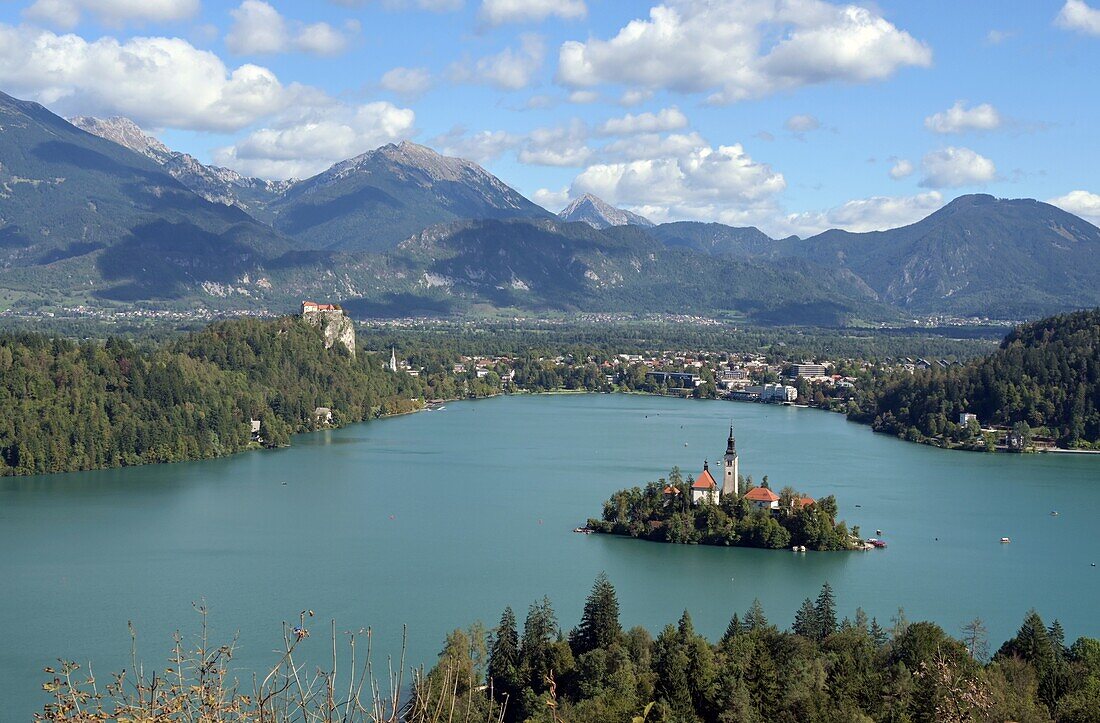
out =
column 731, row 445
column 393, row 359
column 706, row 465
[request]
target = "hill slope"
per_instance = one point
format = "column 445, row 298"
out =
column 715, row 239
column 82, row 216
column 978, row 255
column 375, row 200
column 1045, row 374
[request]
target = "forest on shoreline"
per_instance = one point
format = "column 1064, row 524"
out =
column 824, row 668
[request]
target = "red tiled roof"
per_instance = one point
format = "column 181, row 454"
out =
column 670, row 490
column 705, row 482
column 761, row 494
column 806, row 501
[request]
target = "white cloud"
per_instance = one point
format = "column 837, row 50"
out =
column 563, row 146
column 996, row 37
column 158, row 82
column 582, row 97
column 651, row 145
column 1081, row 203
column 803, row 123
column 664, row 120
column 316, row 139
column 952, row 167
column 510, row 69
column 635, row 96
column 551, row 200
column 66, row 13
column 704, row 183
column 1078, row 15
column 259, row 29
column 959, row 119
column 407, row 82
column 437, row 6
column 482, row 147
column 722, row 47
column 877, row 213
column 901, row 169
column 498, row 12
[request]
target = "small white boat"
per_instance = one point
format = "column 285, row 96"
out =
column 1054, row 513
column 1005, row 540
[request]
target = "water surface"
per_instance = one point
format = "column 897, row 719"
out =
column 439, row 519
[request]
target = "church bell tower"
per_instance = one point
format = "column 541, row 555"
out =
column 730, row 483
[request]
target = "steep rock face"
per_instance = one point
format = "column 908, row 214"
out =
column 599, row 214
column 335, row 326
column 215, row 184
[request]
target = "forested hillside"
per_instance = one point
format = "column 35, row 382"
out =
column 71, row 406
column 1043, row 380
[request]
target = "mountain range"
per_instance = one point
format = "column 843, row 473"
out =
column 97, row 212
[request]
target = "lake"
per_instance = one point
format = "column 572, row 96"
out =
column 439, row 519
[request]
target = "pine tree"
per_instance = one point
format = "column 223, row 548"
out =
column 599, row 627
column 733, row 629
column 825, row 612
column 805, row 620
column 504, row 657
column 534, row 653
column 754, row 618
column 878, row 635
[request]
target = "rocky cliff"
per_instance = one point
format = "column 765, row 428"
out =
column 335, row 326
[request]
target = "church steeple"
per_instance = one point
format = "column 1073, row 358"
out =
column 731, row 482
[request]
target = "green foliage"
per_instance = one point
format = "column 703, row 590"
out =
column 651, row 513
column 84, row 406
column 599, row 627
column 1043, row 380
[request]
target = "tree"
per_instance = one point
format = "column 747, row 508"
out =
column 805, row 620
column 976, row 639
column 825, row 612
column 754, row 618
column 733, row 629
column 599, row 626
column 504, row 657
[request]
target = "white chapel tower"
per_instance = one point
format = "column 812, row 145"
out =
column 730, row 483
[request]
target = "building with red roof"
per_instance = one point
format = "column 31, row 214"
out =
column 763, row 498
column 704, row 487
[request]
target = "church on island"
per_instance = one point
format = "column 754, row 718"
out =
column 705, row 488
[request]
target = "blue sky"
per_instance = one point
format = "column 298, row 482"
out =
column 793, row 115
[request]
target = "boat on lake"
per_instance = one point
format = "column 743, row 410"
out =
column 874, row 541
column 1005, row 540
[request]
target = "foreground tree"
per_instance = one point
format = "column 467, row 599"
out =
column 599, row 627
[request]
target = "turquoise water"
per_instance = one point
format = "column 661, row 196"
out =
column 440, row 519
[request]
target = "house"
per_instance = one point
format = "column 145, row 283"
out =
column 804, row 502
column 704, row 487
column 670, row 493
column 763, row 498
column 255, row 429
column 323, row 415
column 966, row 418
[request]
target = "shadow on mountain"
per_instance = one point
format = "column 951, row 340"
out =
column 89, row 160
column 392, row 306
column 12, row 237
column 68, row 252
column 308, row 215
column 814, row 313
column 162, row 260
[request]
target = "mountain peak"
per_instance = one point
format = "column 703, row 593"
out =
column 126, row 133
column 599, row 214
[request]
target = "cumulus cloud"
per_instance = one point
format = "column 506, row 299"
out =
column 635, row 96
column 959, row 119
column 482, row 147
column 724, row 48
column 316, row 139
column 664, row 120
column 804, row 123
column 551, row 200
column 563, row 146
column 877, row 213
column 510, row 69
column 67, row 13
column 704, row 183
column 901, row 169
column 1079, row 16
column 498, row 12
column 407, row 82
column 259, row 29
column 1081, row 203
column 952, row 167
column 158, row 82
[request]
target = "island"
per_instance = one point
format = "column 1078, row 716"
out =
column 735, row 513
